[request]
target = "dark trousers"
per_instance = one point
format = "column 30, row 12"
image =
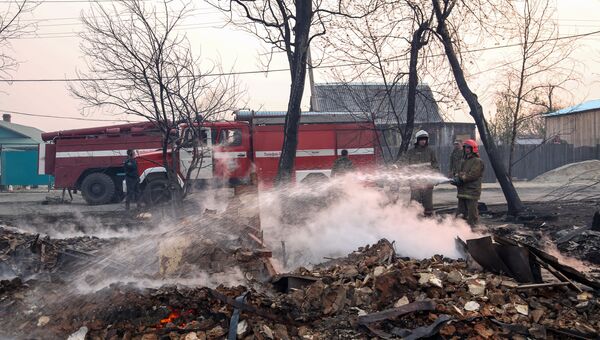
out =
column 132, row 191
column 468, row 208
column 424, row 197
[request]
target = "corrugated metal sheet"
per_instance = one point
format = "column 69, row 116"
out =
column 585, row 106
column 373, row 98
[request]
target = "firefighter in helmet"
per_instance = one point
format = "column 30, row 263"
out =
column 342, row 165
column 468, row 182
column 422, row 158
column 132, row 179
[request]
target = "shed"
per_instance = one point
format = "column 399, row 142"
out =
column 19, row 154
column 578, row 125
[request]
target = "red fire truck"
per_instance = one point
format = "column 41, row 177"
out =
column 91, row 160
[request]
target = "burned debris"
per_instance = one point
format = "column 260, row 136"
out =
column 213, row 277
column 372, row 292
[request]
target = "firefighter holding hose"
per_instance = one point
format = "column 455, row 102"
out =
column 468, row 183
column 423, row 158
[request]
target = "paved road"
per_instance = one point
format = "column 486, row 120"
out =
column 30, row 202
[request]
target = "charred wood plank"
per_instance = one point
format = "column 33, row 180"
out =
column 543, row 285
column 391, row 313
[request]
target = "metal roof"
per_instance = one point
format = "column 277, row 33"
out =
column 26, row 131
column 585, row 106
column 372, row 98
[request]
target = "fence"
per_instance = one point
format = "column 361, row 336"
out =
column 529, row 160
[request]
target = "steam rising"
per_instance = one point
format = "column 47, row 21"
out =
column 343, row 214
column 329, row 218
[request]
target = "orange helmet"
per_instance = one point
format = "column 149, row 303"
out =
column 473, row 144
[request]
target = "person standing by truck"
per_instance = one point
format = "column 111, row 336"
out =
column 132, row 179
column 468, row 183
column 422, row 158
column 456, row 158
column 342, row 165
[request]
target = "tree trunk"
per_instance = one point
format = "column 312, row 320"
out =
column 298, row 74
column 512, row 197
column 413, row 81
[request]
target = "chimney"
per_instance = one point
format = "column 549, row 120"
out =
column 6, row 117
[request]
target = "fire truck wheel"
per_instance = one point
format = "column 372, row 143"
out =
column 157, row 192
column 98, row 188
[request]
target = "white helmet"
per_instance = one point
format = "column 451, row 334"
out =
column 421, row 134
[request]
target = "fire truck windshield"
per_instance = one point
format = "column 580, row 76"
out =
column 189, row 135
column 230, row 137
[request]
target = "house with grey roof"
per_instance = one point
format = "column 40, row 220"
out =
column 19, row 161
column 387, row 105
column 578, row 125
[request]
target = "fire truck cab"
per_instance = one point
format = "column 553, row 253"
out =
column 224, row 158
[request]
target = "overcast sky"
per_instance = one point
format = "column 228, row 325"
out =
column 54, row 53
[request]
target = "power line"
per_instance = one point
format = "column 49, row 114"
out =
column 191, row 11
column 128, row 121
column 74, row 34
column 64, row 117
column 64, row 1
column 40, row 80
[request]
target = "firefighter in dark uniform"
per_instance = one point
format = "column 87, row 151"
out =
column 132, row 179
column 342, row 165
column 468, row 182
column 456, row 158
column 422, row 158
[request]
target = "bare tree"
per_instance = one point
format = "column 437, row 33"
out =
column 369, row 44
column 420, row 38
column 530, row 122
column 500, row 123
column 387, row 46
column 539, row 70
column 448, row 36
column 11, row 27
column 139, row 65
column 290, row 27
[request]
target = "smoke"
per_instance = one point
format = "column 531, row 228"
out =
column 230, row 277
column 550, row 248
column 173, row 252
column 74, row 224
column 335, row 217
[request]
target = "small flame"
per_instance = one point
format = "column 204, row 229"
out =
column 174, row 315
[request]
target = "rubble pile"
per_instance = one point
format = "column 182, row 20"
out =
column 370, row 293
column 566, row 226
column 26, row 255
